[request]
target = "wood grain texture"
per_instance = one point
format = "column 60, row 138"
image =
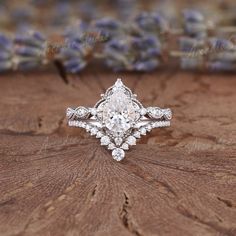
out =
column 56, row 180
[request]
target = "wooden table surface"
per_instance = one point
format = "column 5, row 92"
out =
column 56, row 180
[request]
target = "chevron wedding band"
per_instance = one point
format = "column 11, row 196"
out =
column 118, row 119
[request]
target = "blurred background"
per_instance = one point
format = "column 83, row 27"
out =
column 60, row 13
column 123, row 35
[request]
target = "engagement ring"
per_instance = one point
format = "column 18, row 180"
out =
column 118, row 119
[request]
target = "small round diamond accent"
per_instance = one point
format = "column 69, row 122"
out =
column 143, row 131
column 118, row 141
column 88, row 127
column 93, row 111
column 131, row 140
column 82, row 112
column 125, row 146
column 99, row 134
column 137, row 134
column 93, row 131
column 143, row 111
column 118, row 154
column 105, row 140
column 111, row 146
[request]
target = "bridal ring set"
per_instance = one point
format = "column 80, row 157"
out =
column 118, row 119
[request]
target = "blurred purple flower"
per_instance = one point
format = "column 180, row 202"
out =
column 108, row 27
column 223, row 55
column 221, row 66
column 30, row 49
column 73, row 55
column 221, row 44
column 195, row 23
column 194, row 16
column 151, row 22
column 6, row 54
column 133, row 53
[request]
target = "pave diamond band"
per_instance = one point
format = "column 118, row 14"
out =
column 118, row 119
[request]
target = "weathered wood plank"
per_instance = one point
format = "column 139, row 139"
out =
column 57, row 180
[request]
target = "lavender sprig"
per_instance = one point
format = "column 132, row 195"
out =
column 133, row 53
column 73, row 58
column 151, row 22
column 78, row 47
column 108, row 27
column 6, row 53
column 195, row 24
column 30, row 50
column 194, row 53
column 223, row 56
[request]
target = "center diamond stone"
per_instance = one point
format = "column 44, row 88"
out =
column 119, row 112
